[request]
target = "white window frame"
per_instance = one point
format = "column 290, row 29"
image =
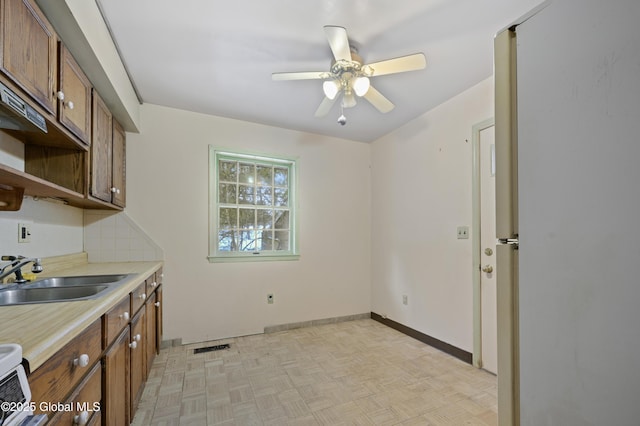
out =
column 216, row 255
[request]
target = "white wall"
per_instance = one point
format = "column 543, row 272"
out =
column 167, row 196
column 421, row 193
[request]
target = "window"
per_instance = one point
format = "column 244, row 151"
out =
column 252, row 207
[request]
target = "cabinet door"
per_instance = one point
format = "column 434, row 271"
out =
column 74, row 97
column 101, row 146
column 138, row 358
column 151, row 326
column 119, row 169
column 158, row 306
column 116, row 397
column 28, row 52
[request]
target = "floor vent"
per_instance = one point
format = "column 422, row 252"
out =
column 211, row 348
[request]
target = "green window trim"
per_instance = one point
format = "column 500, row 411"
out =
column 252, row 207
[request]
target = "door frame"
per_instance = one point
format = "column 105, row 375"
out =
column 475, row 238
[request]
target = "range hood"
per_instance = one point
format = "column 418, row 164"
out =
column 16, row 114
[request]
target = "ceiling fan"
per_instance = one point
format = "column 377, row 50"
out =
column 349, row 76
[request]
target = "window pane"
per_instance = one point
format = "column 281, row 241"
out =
column 264, row 196
column 227, row 241
column 245, row 194
column 282, row 219
column 247, row 218
column 247, row 173
column 227, row 193
column 265, row 219
column 264, row 175
column 281, row 197
column 228, row 218
column 281, row 240
column 266, row 240
column 281, row 176
column 228, row 171
column 247, row 241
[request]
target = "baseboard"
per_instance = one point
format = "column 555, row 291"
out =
column 424, row 338
column 323, row 321
column 170, row 343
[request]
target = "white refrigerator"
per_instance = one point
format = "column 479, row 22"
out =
column 568, row 215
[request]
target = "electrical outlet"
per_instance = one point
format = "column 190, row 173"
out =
column 463, row 232
column 270, row 299
column 24, row 232
column 405, row 299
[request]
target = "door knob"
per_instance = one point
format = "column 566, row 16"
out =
column 488, row 269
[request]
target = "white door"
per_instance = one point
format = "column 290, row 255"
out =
column 488, row 307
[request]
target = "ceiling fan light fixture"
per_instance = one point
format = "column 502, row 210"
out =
column 348, row 100
column 331, row 89
column 361, row 85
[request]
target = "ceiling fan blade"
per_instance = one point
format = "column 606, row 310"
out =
column 339, row 42
column 414, row 62
column 310, row 75
column 325, row 106
column 376, row 98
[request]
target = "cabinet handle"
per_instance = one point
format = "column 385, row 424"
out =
column 60, row 95
column 133, row 344
column 137, row 337
column 154, row 284
column 81, row 361
column 113, row 189
column 81, row 419
column 162, row 275
column 124, row 316
column 157, row 304
column 69, row 104
column 143, row 296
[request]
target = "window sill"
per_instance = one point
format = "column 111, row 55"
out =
column 252, row 258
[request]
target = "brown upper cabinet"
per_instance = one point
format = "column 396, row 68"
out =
column 101, row 150
column 119, row 171
column 28, row 53
column 74, row 97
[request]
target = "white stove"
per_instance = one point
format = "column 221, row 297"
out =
column 16, row 407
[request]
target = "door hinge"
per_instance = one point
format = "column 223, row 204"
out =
column 510, row 241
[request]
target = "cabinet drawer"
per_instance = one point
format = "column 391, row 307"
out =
column 151, row 284
column 138, row 297
column 58, row 376
column 115, row 320
column 84, row 404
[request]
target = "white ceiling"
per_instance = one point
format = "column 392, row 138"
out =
column 216, row 57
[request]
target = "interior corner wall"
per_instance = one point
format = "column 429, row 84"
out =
column 167, row 196
column 422, row 174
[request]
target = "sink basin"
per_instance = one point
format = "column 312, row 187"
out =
column 81, row 280
column 19, row 296
column 61, row 289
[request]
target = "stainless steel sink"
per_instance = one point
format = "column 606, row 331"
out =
column 19, row 296
column 61, row 289
column 76, row 281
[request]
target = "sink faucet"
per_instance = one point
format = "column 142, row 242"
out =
column 15, row 263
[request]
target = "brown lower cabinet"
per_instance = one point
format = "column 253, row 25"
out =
column 138, row 358
column 116, row 401
column 99, row 376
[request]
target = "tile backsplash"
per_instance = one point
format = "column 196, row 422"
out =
column 115, row 237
